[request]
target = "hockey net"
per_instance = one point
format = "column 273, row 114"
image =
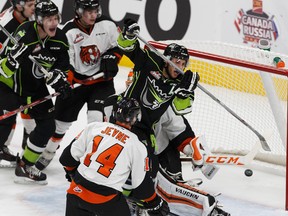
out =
column 234, row 74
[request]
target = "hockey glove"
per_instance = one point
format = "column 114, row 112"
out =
column 109, row 65
column 195, row 150
column 70, row 174
column 187, row 85
column 15, row 56
column 57, row 80
column 157, row 207
column 130, row 28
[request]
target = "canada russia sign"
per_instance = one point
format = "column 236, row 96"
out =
column 255, row 24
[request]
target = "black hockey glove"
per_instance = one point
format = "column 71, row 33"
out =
column 70, row 174
column 129, row 29
column 109, row 65
column 157, row 207
column 15, row 56
column 57, row 80
column 187, row 85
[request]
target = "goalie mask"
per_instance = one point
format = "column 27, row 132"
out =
column 46, row 8
column 82, row 5
column 176, row 51
column 127, row 111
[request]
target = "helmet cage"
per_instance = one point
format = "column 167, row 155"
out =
column 46, row 9
column 82, row 5
column 177, row 51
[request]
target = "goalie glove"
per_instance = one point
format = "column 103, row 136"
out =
column 194, row 150
column 129, row 29
column 187, row 85
column 15, row 56
column 157, row 207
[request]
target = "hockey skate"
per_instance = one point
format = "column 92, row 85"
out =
column 135, row 210
column 44, row 160
column 7, row 159
column 25, row 174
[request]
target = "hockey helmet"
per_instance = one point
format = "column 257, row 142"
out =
column 127, row 110
column 81, row 5
column 174, row 50
column 46, row 8
column 20, row 2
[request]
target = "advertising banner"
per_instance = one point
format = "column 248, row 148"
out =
column 242, row 22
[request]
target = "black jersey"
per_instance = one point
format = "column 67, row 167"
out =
column 150, row 87
column 50, row 52
column 10, row 23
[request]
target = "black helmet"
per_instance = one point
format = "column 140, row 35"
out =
column 45, row 8
column 127, row 110
column 174, row 50
column 20, row 2
column 81, row 5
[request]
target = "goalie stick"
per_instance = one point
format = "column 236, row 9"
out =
column 229, row 159
column 48, row 97
column 263, row 142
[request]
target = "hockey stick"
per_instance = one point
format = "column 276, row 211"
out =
column 48, row 97
column 229, row 159
column 41, row 68
column 144, row 213
column 264, row 143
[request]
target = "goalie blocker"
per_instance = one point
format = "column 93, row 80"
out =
column 185, row 200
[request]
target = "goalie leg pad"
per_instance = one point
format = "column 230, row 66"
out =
column 183, row 199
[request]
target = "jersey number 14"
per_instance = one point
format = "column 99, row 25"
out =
column 106, row 158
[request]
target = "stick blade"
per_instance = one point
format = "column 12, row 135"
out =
column 264, row 144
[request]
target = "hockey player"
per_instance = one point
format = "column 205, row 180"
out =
column 155, row 82
column 93, row 49
column 10, row 19
column 158, row 86
column 21, row 81
column 99, row 161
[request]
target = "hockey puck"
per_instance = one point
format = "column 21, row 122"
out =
column 248, row 172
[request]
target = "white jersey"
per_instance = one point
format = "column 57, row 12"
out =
column 108, row 153
column 86, row 48
column 169, row 126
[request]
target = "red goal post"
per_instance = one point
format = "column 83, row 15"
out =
column 247, row 81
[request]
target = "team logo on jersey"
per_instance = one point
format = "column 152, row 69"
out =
column 37, row 48
column 77, row 189
column 153, row 96
column 79, row 37
column 156, row 74
column 45, row 61
column 20, row 34
column 89, row 55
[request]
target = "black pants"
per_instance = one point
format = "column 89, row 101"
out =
column 94, row 95
column 42, row 113
column 78, row 207
column 170, row 159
